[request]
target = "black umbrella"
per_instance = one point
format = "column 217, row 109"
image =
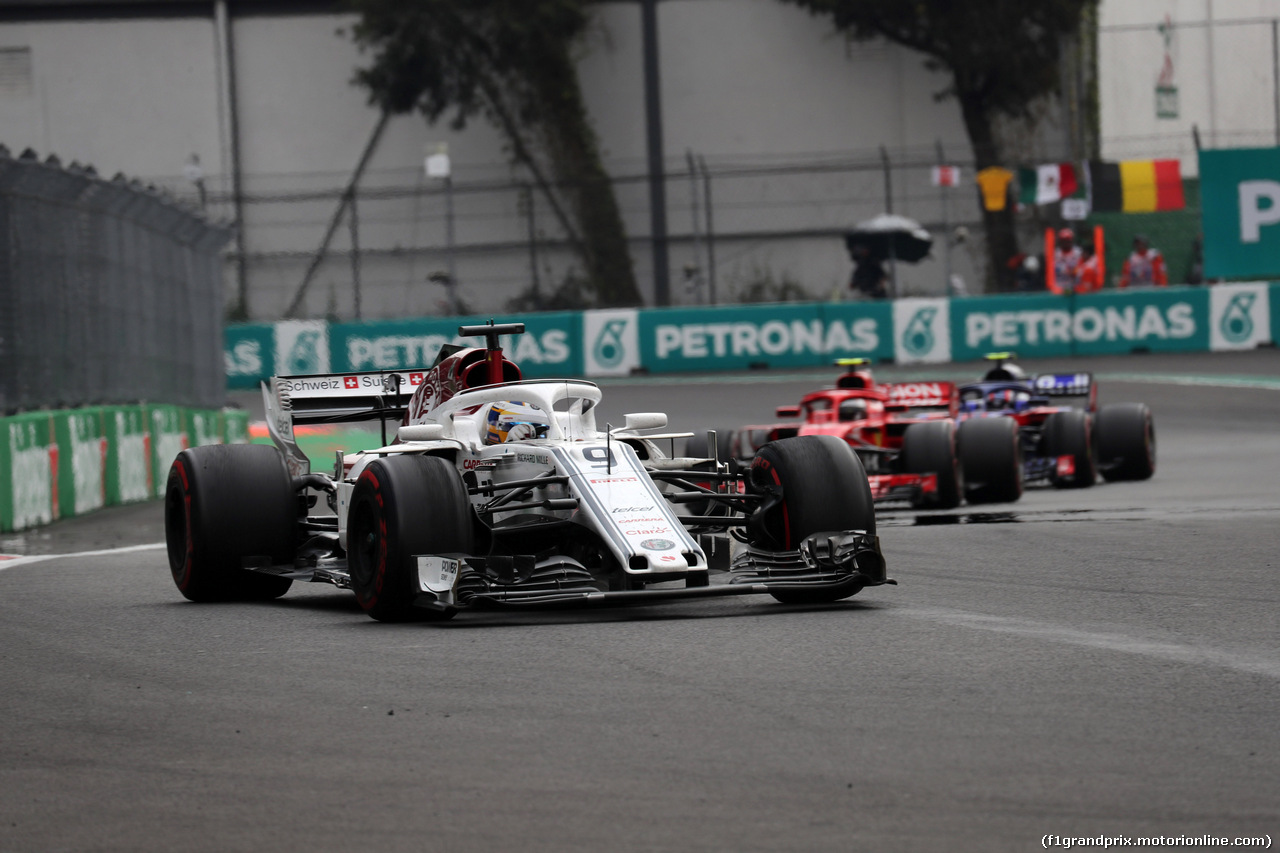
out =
column 890, row 237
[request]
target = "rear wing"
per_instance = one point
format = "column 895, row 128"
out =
column 920, row 395
column 332, row 398
column 1067, row 385
column 345, row 397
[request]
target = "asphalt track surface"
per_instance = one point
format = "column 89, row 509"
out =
column 1080, row 663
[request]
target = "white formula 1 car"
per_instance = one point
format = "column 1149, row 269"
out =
column 502, row 492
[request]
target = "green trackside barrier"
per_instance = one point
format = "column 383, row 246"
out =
column 618, row 342
column 58, row 464
column 551, row 345
column 1108, row 322
column 250, row 354
column 29, row 461
column 168, row 426
column 235, row 426
column 82, row 460
column 740, row 337
column 129, row 467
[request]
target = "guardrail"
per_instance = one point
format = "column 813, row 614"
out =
column 738, row 337
column 57, row 464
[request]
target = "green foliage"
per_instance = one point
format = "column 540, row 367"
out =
column 1002, row 56
column 511, row 61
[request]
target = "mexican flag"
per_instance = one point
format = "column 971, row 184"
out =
column 1046, row 184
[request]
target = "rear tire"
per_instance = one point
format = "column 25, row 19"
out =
column 1069, row 434
column 930, row 448
column 224, row 502
column 822, row 487
column 403, row 506
column 991, row 458
column 1126, row 442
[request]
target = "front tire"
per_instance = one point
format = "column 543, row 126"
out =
column 930, row 448
column 401, row 507
column 225, row 502
column 991, row 458
column 821, row 486
column 1069, row 434
column 1126, row 442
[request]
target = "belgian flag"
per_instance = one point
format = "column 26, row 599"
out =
column 1135, row 186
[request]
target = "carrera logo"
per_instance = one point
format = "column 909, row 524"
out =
column 640, row 520
column 614, row 480
column 350, row 382
column 468, row 464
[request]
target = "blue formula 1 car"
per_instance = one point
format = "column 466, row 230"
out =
column 1062, row 445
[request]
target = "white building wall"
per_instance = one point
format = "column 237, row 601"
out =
column 1223, row 67
column 745, row 84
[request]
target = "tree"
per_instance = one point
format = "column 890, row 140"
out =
column 1002, row 55
column 511, row 61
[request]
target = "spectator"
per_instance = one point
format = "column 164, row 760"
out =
column 1089, row 273
column 1066, row 261
column 869, row 277
column 1145, row 267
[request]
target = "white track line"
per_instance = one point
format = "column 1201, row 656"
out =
column 40, row 558
column 1254, row 664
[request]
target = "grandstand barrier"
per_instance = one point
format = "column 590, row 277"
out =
column 621, row 342
column 64, row 463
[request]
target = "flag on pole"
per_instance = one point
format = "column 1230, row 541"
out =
column 1046, row 184
column 946, row 176
column 1136, row 186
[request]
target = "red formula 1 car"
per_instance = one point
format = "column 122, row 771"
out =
column 906, row 435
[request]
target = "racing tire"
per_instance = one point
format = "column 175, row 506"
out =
column 930, row 448
column 403, row 506
column 1125, row 437
column 225, row 502
column 1070, row 434
column 821, row 486
column 990, row 453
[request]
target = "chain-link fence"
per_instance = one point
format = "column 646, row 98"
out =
column 753, row 230
column 110, row 292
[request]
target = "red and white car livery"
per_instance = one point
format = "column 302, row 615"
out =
column 497, row 491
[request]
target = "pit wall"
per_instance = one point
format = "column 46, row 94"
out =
column 787, row 335
column 58, row 464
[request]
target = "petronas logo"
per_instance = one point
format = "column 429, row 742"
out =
column 609, row 349
column 304, row 357
column 918, row 338
column 1237, row 321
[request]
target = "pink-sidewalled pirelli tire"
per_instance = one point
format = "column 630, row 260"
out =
column 225, row 503
column 401, row 507
column 930, row 448
column 820, row 486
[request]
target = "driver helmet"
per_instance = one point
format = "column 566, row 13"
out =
column 1005, row 371
column 514, row 420
column 1008, row 398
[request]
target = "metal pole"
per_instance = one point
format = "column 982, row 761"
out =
column 530, row 213
column 449, row 244
column 1275, row 75
column 888, row 180
column 711, row 230
column 353, row 220
column 657, row 174
column 946, row 225
column 697, row 220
